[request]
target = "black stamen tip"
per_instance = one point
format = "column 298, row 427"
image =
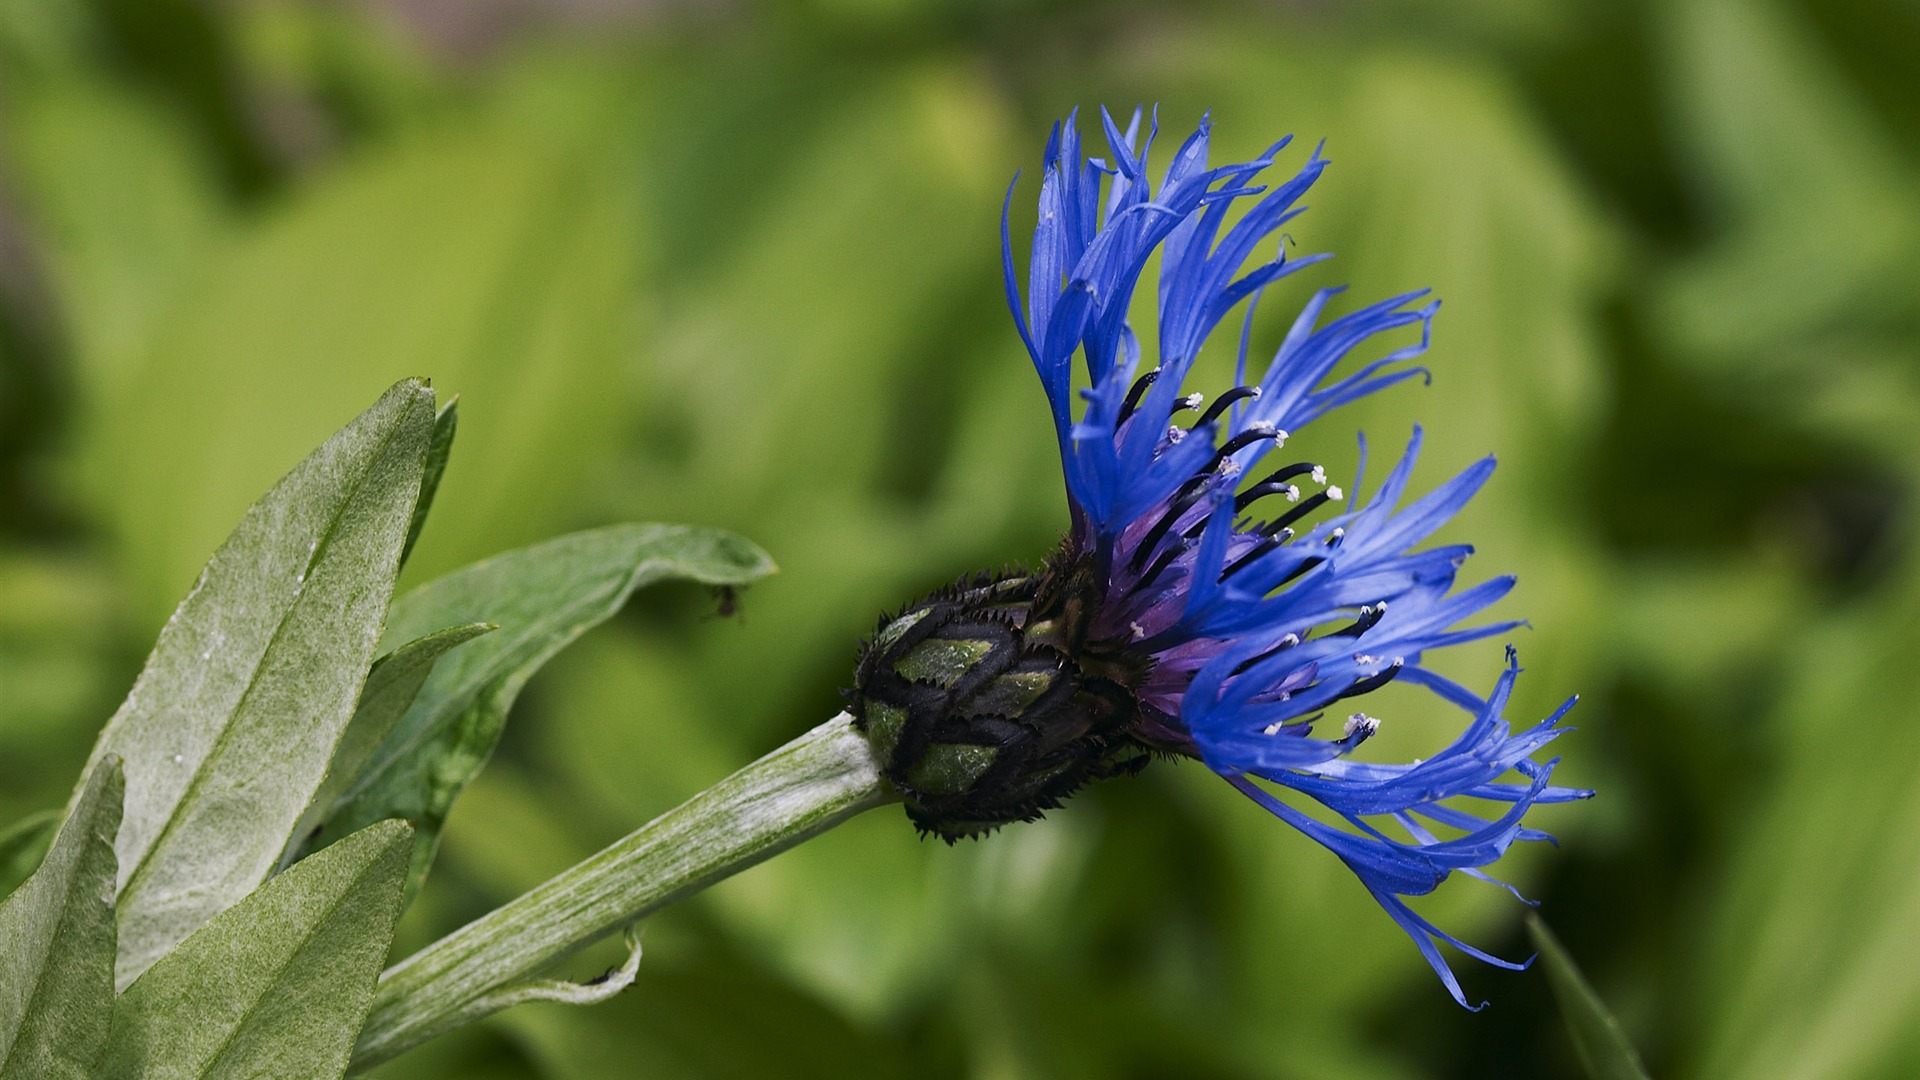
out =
column 1159, row 565
column 1238, row 443
column 1286, row 643
column 1302, row 568
column 1307, row 506
column 1183, row 501
column 1226, row 400
column 1138, row 391
column 1369, row 616
column 1371, row 682
column 1265, row 545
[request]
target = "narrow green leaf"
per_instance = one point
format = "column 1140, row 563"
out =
column 23, row 845
column 1597, row 1037
column 542, row 597
column 228, row 731
column 439, row 450
column 610, row 984
column 128, row 192
column 278, row 984
column 727, row 1017
column 798, row 791
column 391, row 686
column 56, row 944
column 448, row 248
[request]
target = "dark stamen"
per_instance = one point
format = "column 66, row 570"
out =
column 1225, row 400
column 1260, row 491
column 1307, row 506
column 1160, row 564
column 1286, row 643
column 1272, row 528
column 1301, row 569
column 1288, row 472
column 1183, row 501
column 1371, row 682
column 1265, row 545
column 1368, row 617
column 1238, row 443
column 1134, row 395
column 1274, row 484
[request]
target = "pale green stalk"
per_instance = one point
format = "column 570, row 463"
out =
column 800, row 790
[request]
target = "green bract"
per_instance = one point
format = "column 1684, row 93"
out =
column 986, row 704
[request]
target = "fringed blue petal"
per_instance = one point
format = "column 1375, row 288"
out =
column 1355, row 792
column 1258, row 615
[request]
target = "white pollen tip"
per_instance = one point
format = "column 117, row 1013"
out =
column 1274, row 729
column 1194, row 400
column 1361, row 726
column 1176, row 433
column 1290, row 640
column 1138, row 630
column 1335, row 493
column 1253, row 393
column 1292, row 493
column 1320, row 476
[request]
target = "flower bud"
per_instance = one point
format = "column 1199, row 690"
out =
column 985, row 705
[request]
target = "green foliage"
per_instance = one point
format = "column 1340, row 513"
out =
column 277, row 984
column 23, row 845
column 452, row 258
column 57, row 943
column 1822, row 908
column 228, row 731
column 741, row 268
column 439, row 451
column 262, row 716
column 391, row 687
column 542, row 598
column 1597, row 1037
column 712, row 1021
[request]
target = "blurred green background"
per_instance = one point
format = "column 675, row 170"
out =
column 736, row 263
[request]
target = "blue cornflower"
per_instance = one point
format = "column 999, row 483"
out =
column 1181, row 614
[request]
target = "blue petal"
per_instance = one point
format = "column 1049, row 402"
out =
column 1303, row 620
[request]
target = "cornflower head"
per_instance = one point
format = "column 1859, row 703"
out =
column 1203, row 605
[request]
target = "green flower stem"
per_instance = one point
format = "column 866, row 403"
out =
column 798, row 791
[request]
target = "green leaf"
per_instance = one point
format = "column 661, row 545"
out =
column 1597, row 1037
column 721, row 1018
column 1788, row 155
column 542, row 598
column 1805, row 961
column 438, row 451
column 391, row 686
column 56, row 944
column 121, row 191
column 23, row 845
column 497, row 251
column 227, row 733
column 278, row 984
